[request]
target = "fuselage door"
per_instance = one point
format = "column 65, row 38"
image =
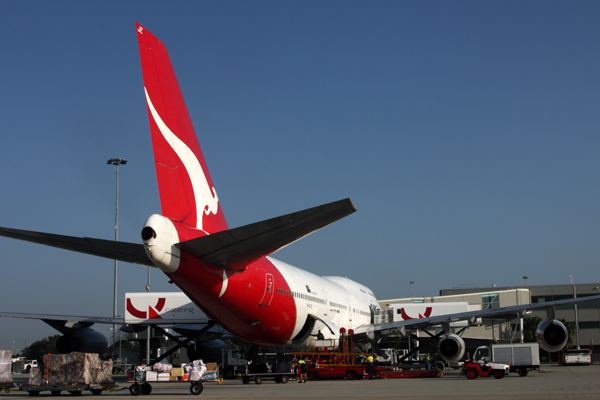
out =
column 268, row 296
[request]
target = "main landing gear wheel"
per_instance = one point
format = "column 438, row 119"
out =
column 196, row 388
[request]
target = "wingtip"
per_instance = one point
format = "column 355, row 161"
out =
column 352, row 205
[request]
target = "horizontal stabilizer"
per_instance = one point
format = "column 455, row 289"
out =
column 235, row 248
column 122, row 251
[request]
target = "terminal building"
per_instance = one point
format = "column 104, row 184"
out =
column 509, row 330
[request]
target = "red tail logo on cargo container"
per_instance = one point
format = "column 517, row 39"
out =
column 153, row 313
column 405, row 316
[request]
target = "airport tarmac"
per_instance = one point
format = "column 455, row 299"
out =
column 558, row 382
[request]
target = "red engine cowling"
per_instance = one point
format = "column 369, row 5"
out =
column 451, row 348
column 551, row 335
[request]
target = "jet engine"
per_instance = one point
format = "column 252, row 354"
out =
column 551, row 335
column 451, row 348
column 84, row 341
column 210, row 351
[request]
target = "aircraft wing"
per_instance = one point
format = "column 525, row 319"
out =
column 423, row 323
column 236, row 248
column 68, row 318
column 122, row 251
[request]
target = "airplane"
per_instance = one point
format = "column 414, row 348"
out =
column 229, row 273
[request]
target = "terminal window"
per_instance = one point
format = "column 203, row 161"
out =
column 490, row 301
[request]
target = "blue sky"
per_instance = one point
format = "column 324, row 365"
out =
column 466, row 133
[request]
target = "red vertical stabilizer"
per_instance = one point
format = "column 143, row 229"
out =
column 186, row 190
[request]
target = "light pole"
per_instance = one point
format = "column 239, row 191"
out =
column 598, row 308
column 576, row 314
column 117, row 162
column 412, row 293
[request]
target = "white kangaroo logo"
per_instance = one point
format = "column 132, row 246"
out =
column 205, row 197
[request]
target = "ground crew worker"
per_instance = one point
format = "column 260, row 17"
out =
column 371, row 366
column 303, row 370
column 427, row 361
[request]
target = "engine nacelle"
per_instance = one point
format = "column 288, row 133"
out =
column 160, row 237
column 211, row 351
column 551, row 335
column 82, row 341
column 451, row 348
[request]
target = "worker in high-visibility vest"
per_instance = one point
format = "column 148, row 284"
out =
column 371, row 366
column 427, row 361
column 303, row 370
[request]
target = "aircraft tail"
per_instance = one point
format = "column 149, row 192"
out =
column 186, row 190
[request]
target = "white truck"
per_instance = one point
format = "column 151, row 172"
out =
column 522, row 357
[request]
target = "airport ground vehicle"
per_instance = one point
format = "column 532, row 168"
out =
column 21, row 365
column 335, row 365
column 141, row 380
column 278, row 377
column 74, row 373
column 233, row 361
column 332, row 358
column 272, row 367
column 474, row 369
column 577, row 357
column 73, row 389
column 522, row 357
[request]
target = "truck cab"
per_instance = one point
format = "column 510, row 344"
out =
column 481, row 353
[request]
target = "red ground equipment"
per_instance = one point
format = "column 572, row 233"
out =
column 472, row 370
